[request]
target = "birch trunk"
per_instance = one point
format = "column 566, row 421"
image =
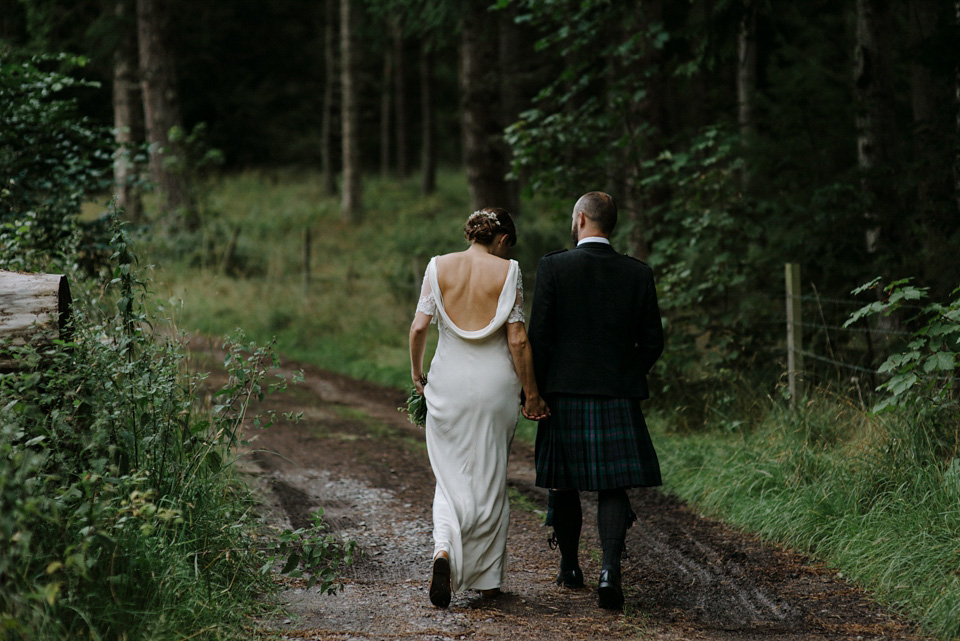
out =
column 34, row 309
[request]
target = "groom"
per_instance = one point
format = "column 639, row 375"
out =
column 595, row 331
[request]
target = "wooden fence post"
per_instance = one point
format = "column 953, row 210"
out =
column 794, row 333
column 306, row 259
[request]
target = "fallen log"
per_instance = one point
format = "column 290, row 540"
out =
column 34, row 309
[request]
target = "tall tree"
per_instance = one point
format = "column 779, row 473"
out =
column 401, row 121
column 386, row 110
column 351, row 206
column 484, row 155
column 645, row 125
column 434, row 24
column 875, row 112
column 928, row 90
column 428, row 153
column 747, row 79
column 956, row 89
column 127, row 111
column 330, row 84
column 513, row 77
column 161, row 104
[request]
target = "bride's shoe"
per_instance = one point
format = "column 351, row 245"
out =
column 440, row 580
column 491, row 593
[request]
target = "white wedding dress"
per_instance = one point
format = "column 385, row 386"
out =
column 473, row 403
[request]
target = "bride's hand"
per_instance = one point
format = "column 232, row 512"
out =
column 535, row 409
column 419, row 382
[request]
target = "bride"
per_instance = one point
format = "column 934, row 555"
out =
column 482, row 361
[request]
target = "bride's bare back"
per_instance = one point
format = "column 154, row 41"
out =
column 470, row 283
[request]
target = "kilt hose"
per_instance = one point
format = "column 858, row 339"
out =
column 595, row 443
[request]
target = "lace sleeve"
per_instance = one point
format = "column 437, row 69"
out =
column 516, row 314
column 427, row 303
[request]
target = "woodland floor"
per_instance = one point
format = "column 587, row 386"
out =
column 685, row 577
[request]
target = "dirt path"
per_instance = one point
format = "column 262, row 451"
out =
column 685, row 577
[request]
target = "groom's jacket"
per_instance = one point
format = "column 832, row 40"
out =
column 595, row 326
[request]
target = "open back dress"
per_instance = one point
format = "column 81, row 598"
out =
column 473, row 403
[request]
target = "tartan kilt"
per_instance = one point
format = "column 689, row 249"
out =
column 595, row 443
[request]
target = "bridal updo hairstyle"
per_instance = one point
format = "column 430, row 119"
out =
column 484, row 224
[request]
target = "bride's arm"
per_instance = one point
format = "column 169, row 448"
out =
column 535, row 408
column 418, row 344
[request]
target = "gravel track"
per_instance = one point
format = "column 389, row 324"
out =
column 685, row 577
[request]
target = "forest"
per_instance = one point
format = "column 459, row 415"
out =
column 224, row 141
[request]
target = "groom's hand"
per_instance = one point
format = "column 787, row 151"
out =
column 535, row 409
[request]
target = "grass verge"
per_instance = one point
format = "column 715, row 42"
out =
column 877, row 498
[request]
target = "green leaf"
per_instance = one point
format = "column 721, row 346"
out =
column 292, row 562
column 940, row 362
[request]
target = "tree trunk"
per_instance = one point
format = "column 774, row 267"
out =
column 161, row 104
column 329, row 97
column 747, row 80
column 512, row 77
column 874, row 119
column 386, row 108
column 401, row 121
column 956, row 89
column 428, row 183
column 928, row 92
column 350, row 205
column 127, row 113
column 34, row 309
column 651, row 111
column 484, row 157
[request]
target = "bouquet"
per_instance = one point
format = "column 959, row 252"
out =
column 416, row 408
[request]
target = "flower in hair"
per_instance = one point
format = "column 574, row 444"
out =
column 486, row 214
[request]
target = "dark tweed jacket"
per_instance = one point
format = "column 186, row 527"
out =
column 595, row 326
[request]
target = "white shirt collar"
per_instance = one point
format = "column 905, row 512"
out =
column 594, row 239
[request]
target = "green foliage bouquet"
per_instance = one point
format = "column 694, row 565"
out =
column 416, row 408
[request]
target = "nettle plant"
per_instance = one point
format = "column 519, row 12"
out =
column 922, row 374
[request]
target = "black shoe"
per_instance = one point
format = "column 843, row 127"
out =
column 609, row 591
column 440, row 581
column 570, row 578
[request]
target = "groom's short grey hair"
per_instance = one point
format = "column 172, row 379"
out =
column 600, row 208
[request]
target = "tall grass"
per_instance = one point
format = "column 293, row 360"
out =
column 876, row 497
column 119, row 514
column 355, row 314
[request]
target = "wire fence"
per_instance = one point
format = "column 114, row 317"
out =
column 821, row 346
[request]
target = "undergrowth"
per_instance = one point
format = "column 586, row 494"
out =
column 121, row 514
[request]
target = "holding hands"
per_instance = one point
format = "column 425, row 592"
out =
column 535, row 408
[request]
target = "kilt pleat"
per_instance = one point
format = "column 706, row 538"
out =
column 595, row 443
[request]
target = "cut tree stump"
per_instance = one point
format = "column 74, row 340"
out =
column 34, row 309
